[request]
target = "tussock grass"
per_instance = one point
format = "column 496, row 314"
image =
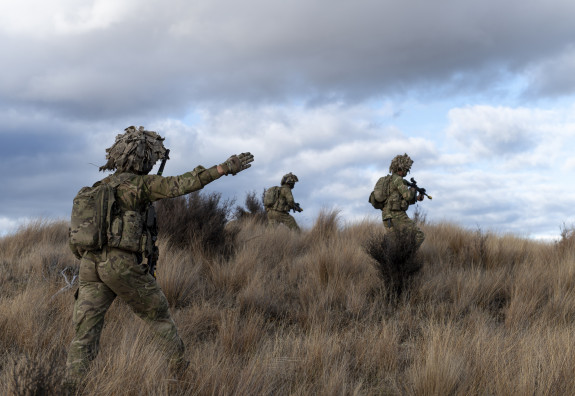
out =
column 269, row 311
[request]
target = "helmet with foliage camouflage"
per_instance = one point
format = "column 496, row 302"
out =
column 290, row 179
column 135, row 151
column 400, row 162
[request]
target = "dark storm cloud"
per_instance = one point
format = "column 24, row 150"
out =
column 167, row 58
column 554, row 76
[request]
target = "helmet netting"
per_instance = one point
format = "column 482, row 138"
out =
column 135, row 151
column 400, row 162
column 289, row 178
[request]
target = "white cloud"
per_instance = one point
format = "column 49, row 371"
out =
column 9, row 225
column 518, row 137
column 62, row 17
column 489, row 131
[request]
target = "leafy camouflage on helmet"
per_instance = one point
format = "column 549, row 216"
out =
column 400, row 162
column 289, row 178
column 135, row 151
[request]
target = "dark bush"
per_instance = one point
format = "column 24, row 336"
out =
column 396, row 257
column 36, row 375
column 253, row 208
column 567, row 241
column 196, row 221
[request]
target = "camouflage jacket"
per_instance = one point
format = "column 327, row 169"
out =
column 399, row 196
column 133, row 197
column 285, row 201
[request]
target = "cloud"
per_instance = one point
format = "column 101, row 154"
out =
column 554, row 76
column 521, row 137
column 104, row 59
column 338, row 153
column 325, row 89
column 488, row 131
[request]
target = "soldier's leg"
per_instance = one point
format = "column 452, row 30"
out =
column 276, row 217
column 419, row 236
column 283, row 218
column 132, row 282
column 93, row 299
column 272, row 222
column 402, row 221
column 290, row 222
column 412, row 226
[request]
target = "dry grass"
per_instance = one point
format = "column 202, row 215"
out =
column 288, row 313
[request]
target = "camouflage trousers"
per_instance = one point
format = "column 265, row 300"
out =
column 103, row 276
column 399, row 219
column 276, row 217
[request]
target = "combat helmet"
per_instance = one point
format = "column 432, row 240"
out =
column 135, row 151
column 400, row 162
column 289, row 179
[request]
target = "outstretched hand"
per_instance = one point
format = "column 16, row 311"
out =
column 236, row 163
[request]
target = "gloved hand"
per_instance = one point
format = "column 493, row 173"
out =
column 236, row 163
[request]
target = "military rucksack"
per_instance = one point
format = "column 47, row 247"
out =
column 271, row 196
column 91, row 215
column 378, row 196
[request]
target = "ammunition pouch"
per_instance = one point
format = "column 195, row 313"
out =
column 126, row 232
column 404, row 205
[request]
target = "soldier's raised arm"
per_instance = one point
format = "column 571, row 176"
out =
column 159, row 187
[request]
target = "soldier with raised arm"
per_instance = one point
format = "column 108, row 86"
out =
column 117, row 266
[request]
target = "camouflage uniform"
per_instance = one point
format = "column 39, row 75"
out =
column 278, row 213
column 110, row 272
column 399, row 197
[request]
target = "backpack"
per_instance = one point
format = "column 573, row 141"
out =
column 91, row 216
column 382, row 186
column 271, row 196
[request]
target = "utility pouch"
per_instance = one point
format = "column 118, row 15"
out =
column 404, row 205
column 395, row 204
column 126, row 231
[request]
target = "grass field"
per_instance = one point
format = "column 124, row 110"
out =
column 269, row 311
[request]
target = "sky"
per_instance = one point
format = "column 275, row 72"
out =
column 480, row 94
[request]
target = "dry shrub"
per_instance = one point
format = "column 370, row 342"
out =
column 180, row 275
column 567, row 242
column 254, row 209
column 36, row 252
column 326, row 226
column 30, row 375
column 197, row 222
column 440, row 367
column 396, row 259
column 36, row 233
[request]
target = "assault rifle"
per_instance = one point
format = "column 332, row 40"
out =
column 152, row 224
column 297, row 208
column 420, row 190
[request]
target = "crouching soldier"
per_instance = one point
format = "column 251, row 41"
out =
column 278, row 201
column 116, row 250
